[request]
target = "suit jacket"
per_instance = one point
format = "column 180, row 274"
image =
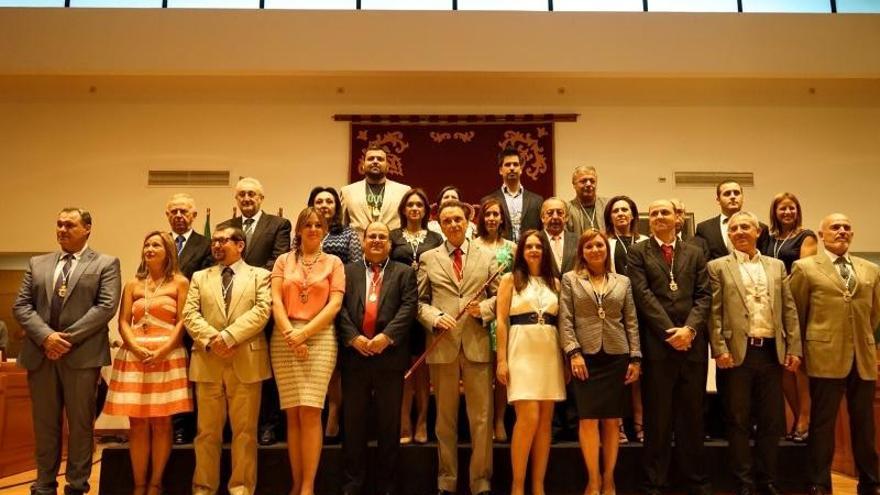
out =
column 205, row 316
column 92, row 298
column 612, row 248
column 441, row 292
column 531, row 211
column 196, row 255
column 579, row 322
column 271, row 239
column 577, row 219
column 835, row 330
column 660, row 308
column 398, row 303
column 729, row 320
column 356, row 212
column 709, row 235
column 569, row 251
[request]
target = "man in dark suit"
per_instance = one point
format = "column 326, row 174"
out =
column 380, row 304
column 64, row 304
column 672, row 296
column 521, row 208
column 838, row 302
column 193, row 254
column 268, row 236
column 712, row 233
column 754, row 334
column 554, row 215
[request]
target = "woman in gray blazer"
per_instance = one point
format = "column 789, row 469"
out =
column 599, row 334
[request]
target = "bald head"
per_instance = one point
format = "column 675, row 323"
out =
column 836, row 233
column 661, row 219
column 377, row 242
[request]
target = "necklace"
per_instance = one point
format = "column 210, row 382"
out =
column 414, row 240
column 632, row 239
column 306, row 269
column 673, row 285
column 587, row 215
column 777, row 249
column 374, row 200
column 147, row 296
column 759, row 283
column 600, row 295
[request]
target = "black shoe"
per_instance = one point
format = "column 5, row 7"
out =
column 817, row 490
column 769, row 489
column 485, row 492
column 180, row 437
column 444, row 492
column 745, row 490
column 267, row 437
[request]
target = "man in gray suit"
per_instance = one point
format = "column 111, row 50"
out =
column 448, row 277
column 64, row 304
column 754, row 333
column 586, row 210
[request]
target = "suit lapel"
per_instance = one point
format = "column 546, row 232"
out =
column 214, row 283
column 827, row 269
column 50, row 276
column 771, row 284
column 359, row 278
column 187, row 252
column 87, row 257
column 239, row 283
column 259, row 230
column 472, row 260
column 733, row 268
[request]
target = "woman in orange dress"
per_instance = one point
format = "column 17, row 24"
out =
column 149, row 382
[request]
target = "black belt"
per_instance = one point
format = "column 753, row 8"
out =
column 532, row 319
column 760, row 341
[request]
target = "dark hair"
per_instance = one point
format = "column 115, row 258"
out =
column 728, row 181
column 633, row 224
column 84, row 214
column 508, row 151
column 444, row 191
column 336, row 222
column 579, row 263
column 170, row 267
column 464, row 207
column 401, row 208
column 482, row 231
column 775, row 224
column 301, row 220
column 377, row 147
column 549, row 274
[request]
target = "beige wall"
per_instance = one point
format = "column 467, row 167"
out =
column 92, row 99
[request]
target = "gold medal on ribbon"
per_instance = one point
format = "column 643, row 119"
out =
column 62, row 291
column 673, row 286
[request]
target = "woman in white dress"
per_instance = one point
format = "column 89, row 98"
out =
column 529, row 356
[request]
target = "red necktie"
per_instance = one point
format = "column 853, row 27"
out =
column 457, row 263
column 371, row 308
column 667, row 253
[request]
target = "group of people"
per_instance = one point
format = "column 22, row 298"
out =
column 560, row 308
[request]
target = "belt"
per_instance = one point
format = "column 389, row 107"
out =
column 760, row 341
column 532, row 319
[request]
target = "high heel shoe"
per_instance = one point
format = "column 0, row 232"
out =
column 154, row 490
column 640, row 432
column 800, row 436
column 139, row 490
column 421, row 436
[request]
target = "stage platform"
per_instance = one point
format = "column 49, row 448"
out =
column 418, row 470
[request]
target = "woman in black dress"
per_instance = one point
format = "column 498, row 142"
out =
column 599, row 333
column 789, row 241
column 407, row 245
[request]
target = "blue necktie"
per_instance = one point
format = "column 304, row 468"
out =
column 179, row 241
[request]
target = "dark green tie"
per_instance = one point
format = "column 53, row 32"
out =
column 846, row 273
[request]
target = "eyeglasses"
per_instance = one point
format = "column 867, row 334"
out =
column 248, row 194
column 220, row 240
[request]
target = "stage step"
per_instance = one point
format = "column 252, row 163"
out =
column 417, row 473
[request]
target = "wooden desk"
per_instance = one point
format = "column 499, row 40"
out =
column 16, row 425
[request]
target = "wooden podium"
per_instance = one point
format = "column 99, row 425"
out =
column 16, row 425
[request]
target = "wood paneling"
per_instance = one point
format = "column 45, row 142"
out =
column 16, row 426
column 10, row 281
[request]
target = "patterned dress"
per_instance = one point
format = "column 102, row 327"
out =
column 343, row 242
column 161, row 389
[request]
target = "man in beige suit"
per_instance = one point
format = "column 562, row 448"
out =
column 449, row 276
column 754, row 333
column 375, row 198
column 838, row 302
column 226, row 309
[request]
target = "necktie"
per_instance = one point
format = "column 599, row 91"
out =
column 227, row 285
column 371, row 308
column 58, row 294
column 667, row 253
column 845, row 273
column 457, row 263
column 557, row 250
column 248, row 230
column 179, row 241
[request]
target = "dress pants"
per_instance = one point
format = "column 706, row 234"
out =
column 755, row 386
column 56, row 387
column 385, row 387
column 672, row 397
column 826, row 394
column 242, row 400
column 477, row 378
